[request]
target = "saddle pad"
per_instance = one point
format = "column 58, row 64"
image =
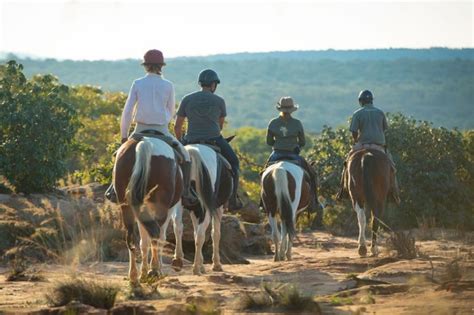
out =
column 168, row 140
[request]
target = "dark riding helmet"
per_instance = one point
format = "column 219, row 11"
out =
column 207, row 77
column 365, row 97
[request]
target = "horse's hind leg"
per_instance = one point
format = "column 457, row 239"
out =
column 144, row 246
column 362, row 224
column 275, row 236
column 216, row 237
column 288, row 249
column 128, row 219
column 283, row 242
column 177, row 216
column 199, row 238
column 375, row 227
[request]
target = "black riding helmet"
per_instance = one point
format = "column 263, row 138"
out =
column 366, row 97
column 207, row 77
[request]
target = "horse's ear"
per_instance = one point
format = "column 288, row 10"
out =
column 229, row 139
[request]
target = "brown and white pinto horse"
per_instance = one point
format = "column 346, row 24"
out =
column 148, row 183
column 368, row 182
column 213, row 182
column 286, row 192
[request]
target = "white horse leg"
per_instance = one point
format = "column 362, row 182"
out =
column 177, row 216
column 216, row 237
column 362, row 223
column 144, row 247
column 275, row 236
column 199, row 238
column 284, row 241
column 161, row 242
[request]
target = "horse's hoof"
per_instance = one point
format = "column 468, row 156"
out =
column 134, row 284
column 288, row 257
column 374, row 250
column 276, row 258
column 362, row 251
column 203, row 270
column 177, row 264
column 196, row 272
column 217, row 268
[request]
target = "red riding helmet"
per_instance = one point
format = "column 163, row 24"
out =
column 153, row 56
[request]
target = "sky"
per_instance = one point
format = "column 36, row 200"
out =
column 111, row 30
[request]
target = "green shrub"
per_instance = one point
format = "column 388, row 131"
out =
column 37, row 127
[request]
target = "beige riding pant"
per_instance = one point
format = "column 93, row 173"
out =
column 164, row 130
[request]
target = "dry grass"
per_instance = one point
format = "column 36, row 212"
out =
column 88, row 292
column 19, row 271
column 403, row 243
column 278, row 296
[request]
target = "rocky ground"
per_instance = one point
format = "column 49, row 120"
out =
column 323, row 266
column 46, row 240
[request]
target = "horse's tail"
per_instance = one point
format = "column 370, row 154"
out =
column 282, row 194
column 204, row 187
column 368, row 167
column 138, row 183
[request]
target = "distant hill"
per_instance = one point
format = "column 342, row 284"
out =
column 434, row 84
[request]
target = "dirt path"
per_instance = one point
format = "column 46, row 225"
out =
column 322, row 266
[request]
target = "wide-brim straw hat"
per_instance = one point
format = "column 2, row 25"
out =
column 286, row 105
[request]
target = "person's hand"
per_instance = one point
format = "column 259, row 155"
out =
column 124, row 140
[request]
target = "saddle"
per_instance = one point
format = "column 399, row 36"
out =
column 212, row 144
column 150, row 133
column 289, row 160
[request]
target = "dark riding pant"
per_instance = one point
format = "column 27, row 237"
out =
column 278, row 155
column 228, row 153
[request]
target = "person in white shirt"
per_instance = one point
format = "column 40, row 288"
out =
column 151, row 106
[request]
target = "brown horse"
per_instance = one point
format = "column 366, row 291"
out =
column 284, row 191
column 368, row 181
column 148, row 183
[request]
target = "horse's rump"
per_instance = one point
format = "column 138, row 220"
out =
column 368, row 176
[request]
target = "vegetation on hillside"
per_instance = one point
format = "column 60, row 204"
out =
column 43, row 122
column 435, row 84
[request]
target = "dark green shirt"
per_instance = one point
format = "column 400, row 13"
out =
column 203, row 110
column 285, row 134
column 370, row 123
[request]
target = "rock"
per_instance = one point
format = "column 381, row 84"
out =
column 256, row 241
column 251, row 213
column 138, row 309
column 4, row 198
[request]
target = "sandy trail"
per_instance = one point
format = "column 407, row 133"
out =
column 320, row 267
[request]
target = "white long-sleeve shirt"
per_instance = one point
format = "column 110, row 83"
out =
column 151, row 101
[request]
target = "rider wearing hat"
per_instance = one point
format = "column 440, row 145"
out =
column 368, row 126
column 151, row 106
column 286, row 136
column 206, row 114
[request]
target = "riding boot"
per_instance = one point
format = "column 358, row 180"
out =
column 188, row 196
column 234, row 202
column 394, row 188
column 342, row 193
column 110, row 194
column 313, row 203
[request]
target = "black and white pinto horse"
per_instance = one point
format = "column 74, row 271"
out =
column 285, row 192
column 213, row 183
